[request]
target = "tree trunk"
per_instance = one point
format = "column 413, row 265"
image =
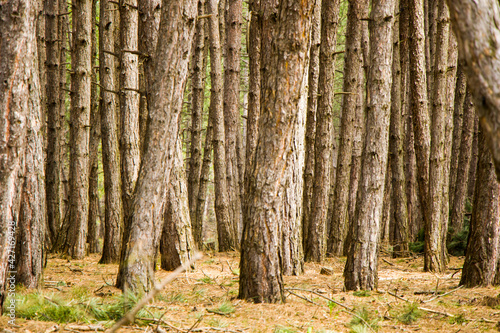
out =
column 463, row 162
column 53, row 48
column 129, row 103
column 433, row 260
column 478, row 35
column 95, row 138
column 177, row 243
column 310, row 134
column 399, row 209
column 197, row 101
column 76, row 238
column 482, row 247
column 353, row 78
column 284, row 62
column 361, row 267
column 113, row 214
column 17, row 32
column 231, row 102
column 32, row 214
column 41, row 37
column 225, row 230
column 473, row 160
column 165, row 103
column 315, row 247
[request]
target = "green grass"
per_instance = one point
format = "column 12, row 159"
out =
column 362, row 293
column 410, row 314
column 363, row 322
column 283, row 329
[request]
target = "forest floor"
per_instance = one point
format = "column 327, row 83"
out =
column 204, row 300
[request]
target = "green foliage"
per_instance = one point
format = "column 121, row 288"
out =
column 36, row 306
column 362, row 293
column 460, row 319
column 410, row 314
column 284, row 329
column 418, row 245
column 458, row 242
column 363, row 322
column 223, row 309
column 331, row 306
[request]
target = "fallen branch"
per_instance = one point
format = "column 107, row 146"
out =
column 437, row 296
column 129, row 316
column 387, row 262
column 318, row 294
column 304, row 298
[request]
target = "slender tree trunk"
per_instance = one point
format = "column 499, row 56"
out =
column 95, row 138
column 433, row 260
column 231, row 102
column 473, row 160
column 165, row 103
column 399, row 208
column 284, row 64
column 197, row 99
column 226, row 232
column 353, row 78
column 177, row 243
column 481, row 258
column 41, row 37
column 17, row 32
column 32, row 214
column 463, row 162
column 310, row 135
column 53, row 47
column 361, row 267
column 316, row 248
column 113, row 214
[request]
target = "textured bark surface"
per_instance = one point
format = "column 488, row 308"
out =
column 95, row 139
column 32, row 213
column 113, row 215
column 361, row 267
column 481, row 258
column 177, row 243
column 76, row 239
column 353, row 78
column 52, row 179
column 197, row 98
column 473, row 159
column 478, row 34
column 129, row 103
column 172, row 56
column 399, row 210
column 285, row 43
column 227, row 239
column 436, row 220
column 17, row 33
column 231, row 102
column 312, row 105
column 463, row 162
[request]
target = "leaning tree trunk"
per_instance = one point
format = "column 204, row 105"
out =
column 433, row 259
column 76, row 237
column 227, row 238
column 231, row 102
column 312, row 105
column 113, row 215
column 171, row 67
column 478, row 34
column 353, row 76
column 481, row 257
column 17, row 32
column 284, row 60
column 52, row 179
column 315, row 247
column 177, row 243
column 32, row 214
column 361, row 267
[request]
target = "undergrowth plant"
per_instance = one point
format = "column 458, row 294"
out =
column 363, row 322
column 410, row 314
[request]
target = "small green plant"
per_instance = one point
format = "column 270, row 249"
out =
column 459, row 320
column 36, row 306
column 363, row 322
column 418, row 245
column 331, row 306
column 410, row 314
column 206, row 279
column 284, row 329
column 362, row 293
column 225, row 308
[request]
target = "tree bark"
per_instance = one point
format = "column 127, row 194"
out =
column 17, row 32
column 361, row 267
column 231, row 102
column 172, row 56
column 316, row 245
column 481, row 258
column 113, row 214
column 283, row 64
column 433, row 260
column 473, row 160
column 478, row 36
column 177, row 243
column 310, row 134
column 353, row 78
column 53, row 48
